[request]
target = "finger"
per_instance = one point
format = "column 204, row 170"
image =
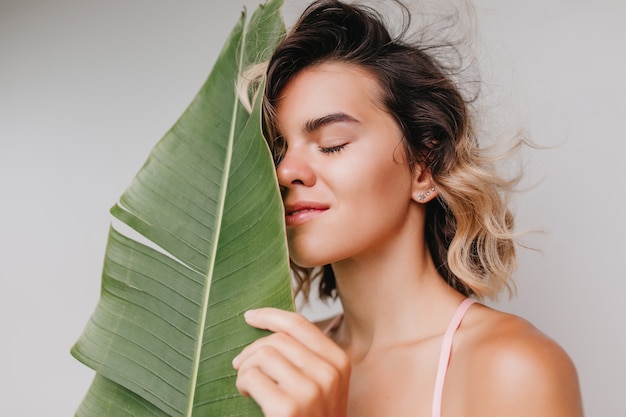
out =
column 296, row 326
column 292, row 349
column 280, row 356
column 272, row 363
column 265, row 392
column 267, row 377
column 331, row 364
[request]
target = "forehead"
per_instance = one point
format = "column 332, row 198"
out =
column 327, row 89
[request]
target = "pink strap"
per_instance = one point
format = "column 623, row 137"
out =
column 446, row 351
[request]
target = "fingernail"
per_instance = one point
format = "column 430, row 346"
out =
column 236, row 361
column 249, row 314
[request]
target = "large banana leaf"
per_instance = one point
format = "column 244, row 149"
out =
column 206, row 202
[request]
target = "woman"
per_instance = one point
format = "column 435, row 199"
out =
column 387, row 195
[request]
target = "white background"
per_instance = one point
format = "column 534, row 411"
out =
column 88, row 88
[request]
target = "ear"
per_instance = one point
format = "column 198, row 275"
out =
column 424, row 188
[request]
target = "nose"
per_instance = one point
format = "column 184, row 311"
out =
column 294, row 169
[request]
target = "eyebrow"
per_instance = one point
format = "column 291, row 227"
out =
column 314, row 124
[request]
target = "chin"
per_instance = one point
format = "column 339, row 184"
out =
column 308, row 253
column 304, row 260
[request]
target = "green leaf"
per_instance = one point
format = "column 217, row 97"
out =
column 208, row 244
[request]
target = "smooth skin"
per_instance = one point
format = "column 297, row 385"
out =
column 351, row 200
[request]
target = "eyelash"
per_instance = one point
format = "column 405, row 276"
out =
column 333, row 149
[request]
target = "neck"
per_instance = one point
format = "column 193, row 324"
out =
column 392, row 297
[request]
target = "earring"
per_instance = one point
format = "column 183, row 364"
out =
column 422, row 196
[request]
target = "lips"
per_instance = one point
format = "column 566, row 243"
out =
column 303, row 211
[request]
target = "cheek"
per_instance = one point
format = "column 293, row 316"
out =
column 387, row 184
column 377, row 200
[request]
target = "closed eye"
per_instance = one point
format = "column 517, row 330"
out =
column 332, row 149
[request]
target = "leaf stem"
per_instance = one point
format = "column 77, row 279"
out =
column 218, row 224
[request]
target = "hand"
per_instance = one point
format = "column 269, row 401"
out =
column 295, row 372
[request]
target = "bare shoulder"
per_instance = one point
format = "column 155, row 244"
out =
column 514, row 369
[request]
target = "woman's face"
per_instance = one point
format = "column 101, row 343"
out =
column 347, row 188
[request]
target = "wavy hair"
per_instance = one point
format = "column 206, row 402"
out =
column 469, row 228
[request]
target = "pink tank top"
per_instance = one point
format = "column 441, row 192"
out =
column 444, row 355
